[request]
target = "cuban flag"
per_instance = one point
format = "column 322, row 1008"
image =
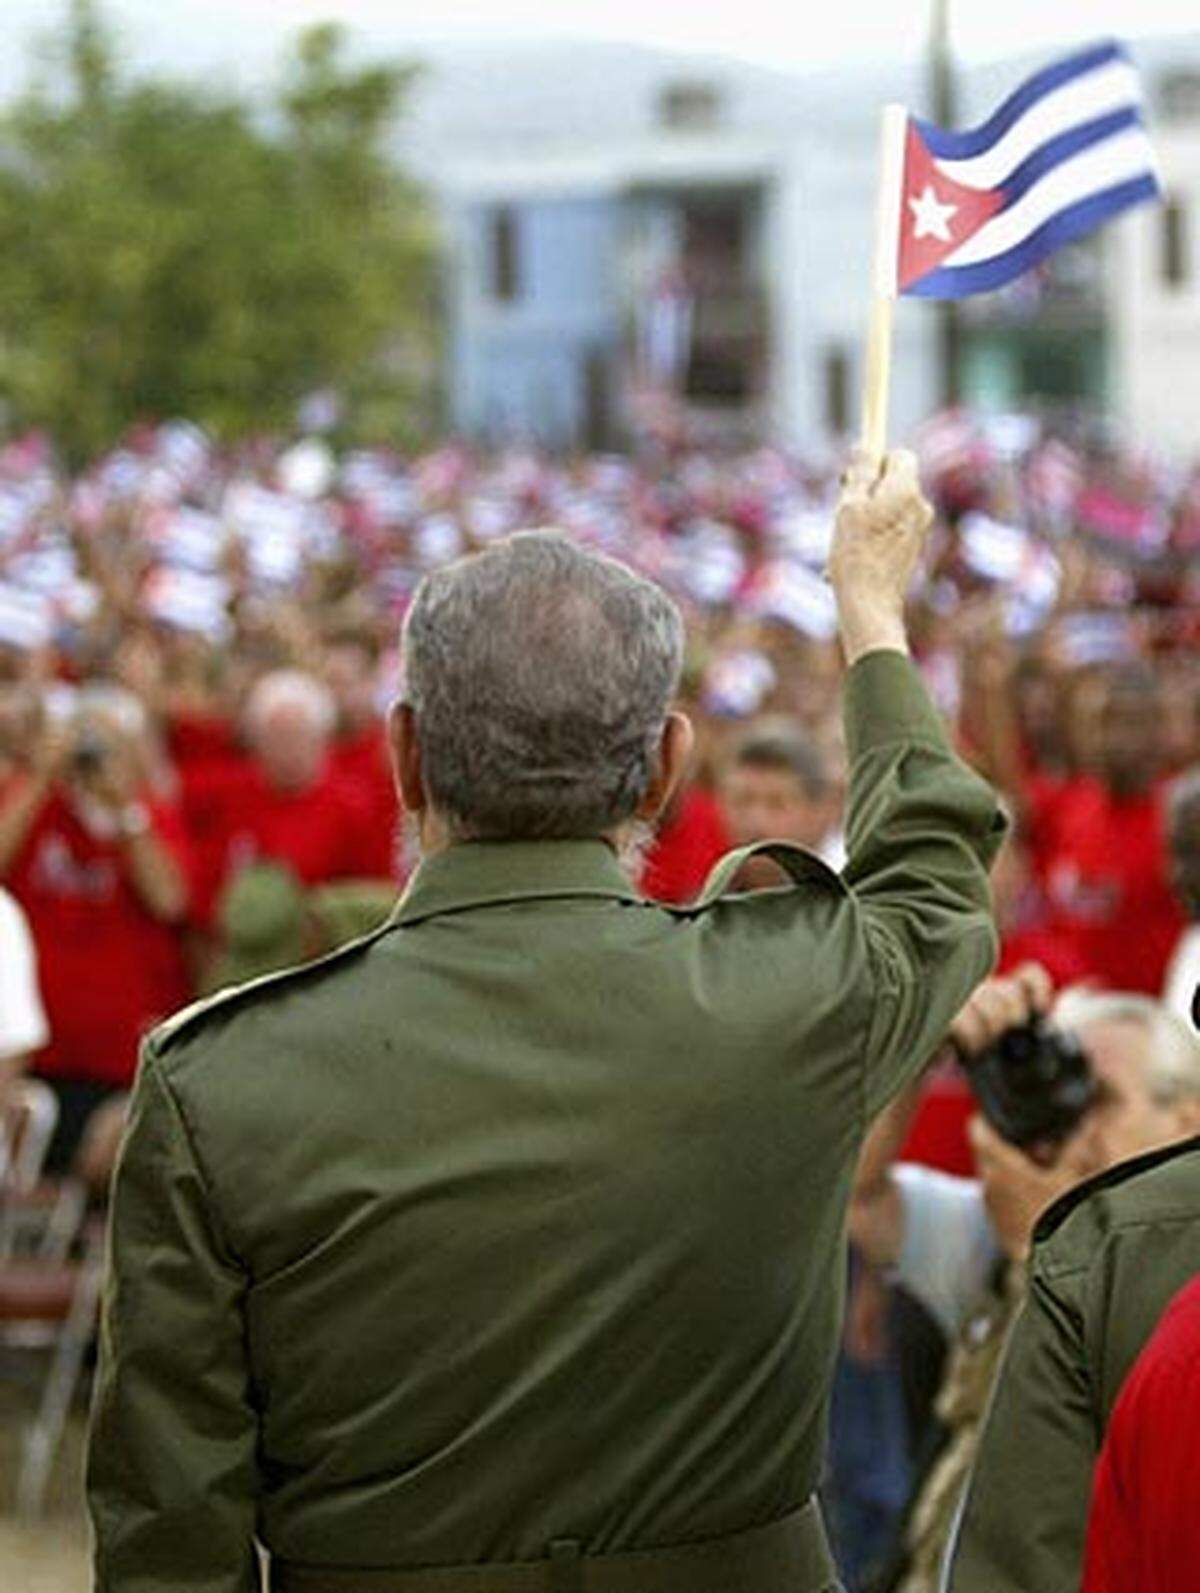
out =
column 1064, row 154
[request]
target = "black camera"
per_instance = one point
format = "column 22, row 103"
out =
column 90, row 754
column 1034, row 1085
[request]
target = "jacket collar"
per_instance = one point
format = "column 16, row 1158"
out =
column 485, row 873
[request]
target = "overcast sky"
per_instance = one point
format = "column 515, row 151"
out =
column 243, row 38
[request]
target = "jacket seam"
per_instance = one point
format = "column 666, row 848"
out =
column 190, row 1141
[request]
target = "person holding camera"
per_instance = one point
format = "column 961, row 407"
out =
column 1116, row 1075
column 97, row 860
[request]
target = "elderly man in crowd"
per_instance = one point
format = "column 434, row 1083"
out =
column 472, row 1257
column 960, row 1245
column 287, row 804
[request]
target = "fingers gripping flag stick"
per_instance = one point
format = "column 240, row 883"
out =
column 966, row 212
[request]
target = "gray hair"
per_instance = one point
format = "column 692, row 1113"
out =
column 290, row 688
column 1173, row 1066
column 540, row 675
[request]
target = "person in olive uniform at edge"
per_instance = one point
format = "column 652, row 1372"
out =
column 1108, row 1258
column 503, row 1250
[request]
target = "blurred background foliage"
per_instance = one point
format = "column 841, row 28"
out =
column 168, row 248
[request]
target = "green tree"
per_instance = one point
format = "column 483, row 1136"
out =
column 165, row 250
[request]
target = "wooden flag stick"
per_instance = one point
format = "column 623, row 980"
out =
column 878, row 368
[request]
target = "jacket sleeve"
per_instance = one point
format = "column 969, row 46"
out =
column 171, row 1471
column 922, row 832
column 1024, row 1521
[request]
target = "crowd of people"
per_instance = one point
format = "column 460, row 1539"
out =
column 197, row 647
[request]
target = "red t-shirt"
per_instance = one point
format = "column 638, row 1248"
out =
column 1106, row 883
column 1059, row 956
column 108, row 969
column 685, row 848
column 237, row 817
column 363, row 763
column 1144, row 1527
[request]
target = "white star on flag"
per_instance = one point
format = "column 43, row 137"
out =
column 932, row 217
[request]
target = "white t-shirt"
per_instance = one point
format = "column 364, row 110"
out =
column 949, row 1247
column 22, row 1018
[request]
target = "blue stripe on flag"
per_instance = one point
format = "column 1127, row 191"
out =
column 947, row 145
column 1073, row 142
column 956, row 282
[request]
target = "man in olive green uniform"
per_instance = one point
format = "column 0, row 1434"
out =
column 503, row 1250
column 1108, row 1258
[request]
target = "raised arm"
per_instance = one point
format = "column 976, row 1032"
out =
column 922, row 829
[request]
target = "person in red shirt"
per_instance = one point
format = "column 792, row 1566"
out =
column 1103, row 845
column 1144, row 1527
column 100, row 867
column 688, row 841
column 777, row 788
column 287, row 803
column 359, row 752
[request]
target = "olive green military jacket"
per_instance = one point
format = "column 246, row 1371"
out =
column 523, row 1218
column 1108, row 1258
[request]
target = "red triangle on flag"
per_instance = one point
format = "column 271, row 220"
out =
column 937, row 214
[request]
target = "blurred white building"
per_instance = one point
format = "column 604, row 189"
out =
column 620, row 219
column 1155, row 295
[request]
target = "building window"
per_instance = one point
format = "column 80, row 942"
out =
column 837, row 392
column 504, row 281
column 690, row 106
column 1176, row 266
column 1179, row 96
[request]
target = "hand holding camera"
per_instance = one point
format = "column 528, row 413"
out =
column 1034, row 1088
column 1032, row 1082
column 1016, row 1189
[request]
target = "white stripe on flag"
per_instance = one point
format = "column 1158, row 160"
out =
column 1117, row 160
column 1111, row 88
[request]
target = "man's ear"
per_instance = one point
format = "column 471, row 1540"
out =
column 674, row 754
column 406, row 757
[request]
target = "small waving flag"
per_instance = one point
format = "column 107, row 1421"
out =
column 1064, row 154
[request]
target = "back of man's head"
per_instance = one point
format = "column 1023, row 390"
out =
column 540, row 676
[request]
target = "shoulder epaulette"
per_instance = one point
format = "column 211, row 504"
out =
column 798, row 863
column 184, row 1022
column 1056, row 1214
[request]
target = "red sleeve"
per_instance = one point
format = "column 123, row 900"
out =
column 1144, row 1527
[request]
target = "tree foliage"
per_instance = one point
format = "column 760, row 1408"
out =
column 168, row 250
